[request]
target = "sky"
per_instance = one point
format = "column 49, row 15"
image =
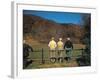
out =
column 59, row 17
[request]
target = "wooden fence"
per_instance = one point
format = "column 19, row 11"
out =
column 42, row 53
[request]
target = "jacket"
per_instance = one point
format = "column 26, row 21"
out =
column 68, row 44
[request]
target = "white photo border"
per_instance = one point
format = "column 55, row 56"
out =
column 17, row 58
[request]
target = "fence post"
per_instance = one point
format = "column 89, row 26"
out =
column 43, row 56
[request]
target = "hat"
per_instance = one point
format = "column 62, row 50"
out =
column 52, row 38
column 68, row 38
column 60, row 39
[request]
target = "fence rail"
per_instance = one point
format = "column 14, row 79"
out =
column 43, row 57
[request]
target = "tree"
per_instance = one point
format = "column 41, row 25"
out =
column 85, row 59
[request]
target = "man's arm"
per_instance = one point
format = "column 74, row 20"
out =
column 64, row 45
column 49, row 44
column 55, row 44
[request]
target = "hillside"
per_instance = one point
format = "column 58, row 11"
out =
column 42, row 30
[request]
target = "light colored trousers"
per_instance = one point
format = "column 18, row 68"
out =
column 52, row 53
column 60, row 53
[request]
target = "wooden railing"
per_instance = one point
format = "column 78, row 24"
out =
column 42, row 55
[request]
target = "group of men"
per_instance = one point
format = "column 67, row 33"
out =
column 57, row 49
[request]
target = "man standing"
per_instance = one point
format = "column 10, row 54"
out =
column 60, row 46
column 52, row 45
column 68, row 47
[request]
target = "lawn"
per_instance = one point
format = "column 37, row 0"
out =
column 37, row 57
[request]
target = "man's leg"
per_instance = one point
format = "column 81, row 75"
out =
column 67, row 55
column 54, row 55
column 70, row 54
column 60, row 56
column 52, row 58
column 51, row 53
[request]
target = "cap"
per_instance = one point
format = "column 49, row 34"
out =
column 52, row 38
column 68, row 38
column 60, row 39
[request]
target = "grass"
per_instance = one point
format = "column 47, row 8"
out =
column 36, row 56
column 72, row 63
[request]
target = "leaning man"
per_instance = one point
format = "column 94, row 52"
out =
column 68, row 46
column 60, row 50
column 52, row 46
